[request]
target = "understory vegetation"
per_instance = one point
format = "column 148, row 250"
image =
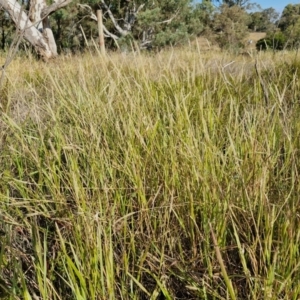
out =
column 167, row 176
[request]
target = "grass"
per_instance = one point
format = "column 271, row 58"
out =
column 150, row 177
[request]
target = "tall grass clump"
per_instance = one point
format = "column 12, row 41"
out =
column 173, row 176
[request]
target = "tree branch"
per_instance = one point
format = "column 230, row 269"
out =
column 111, row 16
column 89, row 9
column 23, row 23
column 169, row 20
column 140, row 8
column 53, row 7
column 108, row 33
column 94, row 17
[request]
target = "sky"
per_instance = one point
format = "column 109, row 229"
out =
column 279, row 5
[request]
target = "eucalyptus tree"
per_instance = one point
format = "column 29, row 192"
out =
column 264, row 20
column 34, row 25
column 290, row 17
column 147, row 23
column 230, row 24
column 289, row 24
column 245, row 4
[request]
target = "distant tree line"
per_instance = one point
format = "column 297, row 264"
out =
column 143, row 24
column 287, row 32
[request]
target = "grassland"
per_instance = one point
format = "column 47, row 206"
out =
column 168, row 176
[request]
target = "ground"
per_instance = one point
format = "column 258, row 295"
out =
column 255, row 36
column 206, row 45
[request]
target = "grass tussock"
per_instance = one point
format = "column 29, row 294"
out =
column 171, row 176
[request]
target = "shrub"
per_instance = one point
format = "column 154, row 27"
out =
column 275, row 42
column 230, row 26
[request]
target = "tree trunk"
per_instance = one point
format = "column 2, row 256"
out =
column 3, row 36
column 42, row 24
column 35, row 26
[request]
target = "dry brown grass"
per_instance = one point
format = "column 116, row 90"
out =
column 254, row 37
column 205, row 44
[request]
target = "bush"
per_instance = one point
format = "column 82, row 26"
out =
column 231, row 26
column 275, row 42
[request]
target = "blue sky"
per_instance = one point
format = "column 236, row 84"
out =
column 277, row 4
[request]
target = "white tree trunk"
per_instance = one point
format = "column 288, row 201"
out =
column 35, row 26
column 42, row 23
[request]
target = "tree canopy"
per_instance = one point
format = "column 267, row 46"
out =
column 264, row 20
column 67, row 25
column 151, row 23
column 287, row 33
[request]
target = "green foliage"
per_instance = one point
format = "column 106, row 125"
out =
column 241, row 3
column 169, row 22
column 7, row 30
column 66, row 23
column 171, row 37
column 263, row 20
column 231, row 26
column 292, row 33
column 148, row 23
column 204, row 12
column 275, row 41
column 289, row 25
column 148, row 17
column 289, row 17
column 289, row 34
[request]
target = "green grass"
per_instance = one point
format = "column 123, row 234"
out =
column 162, row 176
